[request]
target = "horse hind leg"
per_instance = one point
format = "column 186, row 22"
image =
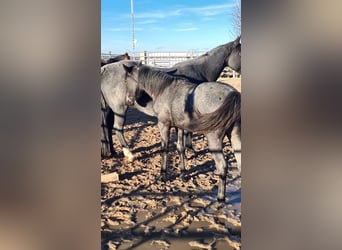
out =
column 234, row 137
column 215, row 147
column 188, row 140
column 181, row 151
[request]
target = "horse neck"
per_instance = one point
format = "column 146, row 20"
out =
column 215, row 62
column 219, row 61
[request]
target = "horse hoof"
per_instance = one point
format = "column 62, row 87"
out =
column 163, row 177
column 184, row 177
column 221, row 200
column 128, row 155
column 106, row 156
column 190, row 148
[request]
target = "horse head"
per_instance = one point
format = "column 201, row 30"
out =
column 131, row 81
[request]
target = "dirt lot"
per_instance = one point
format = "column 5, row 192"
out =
column 139, row 211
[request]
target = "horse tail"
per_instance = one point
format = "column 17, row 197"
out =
column 224, row 117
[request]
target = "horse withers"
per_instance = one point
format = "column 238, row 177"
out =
column 211, row 108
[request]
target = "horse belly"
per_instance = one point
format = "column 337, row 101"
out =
column 180, row 115
column 183, row 122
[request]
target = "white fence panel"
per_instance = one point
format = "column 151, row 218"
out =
column 168, row 59
column 160, row 59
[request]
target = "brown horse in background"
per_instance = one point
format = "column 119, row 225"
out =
column 115, row 59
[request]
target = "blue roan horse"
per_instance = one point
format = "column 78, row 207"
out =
column 204, row 68
column 211, row 108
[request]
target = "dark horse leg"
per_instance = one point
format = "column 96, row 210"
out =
column 107, row 121
column 188, row 140
column 164, row 134
column 215, row 147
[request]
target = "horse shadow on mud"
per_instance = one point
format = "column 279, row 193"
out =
column 137, row 122
column 143, row 233
column 155, row 228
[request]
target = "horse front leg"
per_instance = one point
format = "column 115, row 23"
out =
column 215, row 147
column 164, row 134
column 119, row 120
column 188, row 140
column 181, row 151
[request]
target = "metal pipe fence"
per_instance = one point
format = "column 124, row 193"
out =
column 168, row 59
column 160, row 59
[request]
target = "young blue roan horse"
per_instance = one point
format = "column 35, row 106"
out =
column 205, row 68
column 211, row 108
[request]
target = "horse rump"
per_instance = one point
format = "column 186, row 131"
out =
column 224, row 117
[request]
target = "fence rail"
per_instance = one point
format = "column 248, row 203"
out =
column 160, row 59
column 168, row 59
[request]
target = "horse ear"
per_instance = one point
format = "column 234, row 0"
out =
column 237, row 40
column 128, row 68
column 171, row 71
column 127, row 57
column 140, row 63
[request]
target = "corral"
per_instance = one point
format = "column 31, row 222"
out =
column 168, row 59
column 139, row 211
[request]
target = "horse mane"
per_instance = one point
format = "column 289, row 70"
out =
column 229, row 46
column 155, row 81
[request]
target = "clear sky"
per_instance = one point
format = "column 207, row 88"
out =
column 166, row 25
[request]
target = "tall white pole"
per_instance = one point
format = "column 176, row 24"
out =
column 133, row 39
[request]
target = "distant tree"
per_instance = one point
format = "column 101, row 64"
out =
column 236, row 15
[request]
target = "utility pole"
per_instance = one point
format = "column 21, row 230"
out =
column 133, row 38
